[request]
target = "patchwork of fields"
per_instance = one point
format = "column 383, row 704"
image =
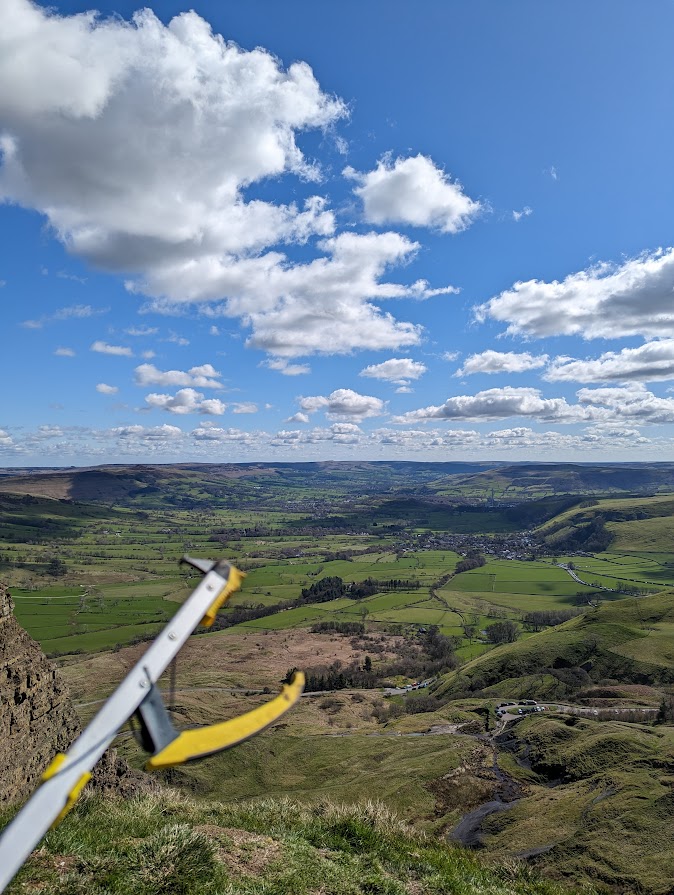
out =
column 91, row 576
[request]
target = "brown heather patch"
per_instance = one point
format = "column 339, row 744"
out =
column 233, row 658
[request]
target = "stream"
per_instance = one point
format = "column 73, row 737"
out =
column 468, row 831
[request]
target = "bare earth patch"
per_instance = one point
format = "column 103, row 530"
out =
column 241, row 851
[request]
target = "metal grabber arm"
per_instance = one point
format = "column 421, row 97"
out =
column 69, row 772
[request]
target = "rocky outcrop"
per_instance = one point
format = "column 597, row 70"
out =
column 38, row 719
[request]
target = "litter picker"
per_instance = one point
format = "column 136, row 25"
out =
column 138, row 696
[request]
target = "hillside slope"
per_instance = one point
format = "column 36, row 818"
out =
column 628, row 640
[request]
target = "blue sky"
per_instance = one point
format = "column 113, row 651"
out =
column 379, row 231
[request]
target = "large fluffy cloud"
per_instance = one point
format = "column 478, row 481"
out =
column 413, row 191
column 496, row 404
column 501, row 362
column 344, row 404
column 632, row 404
column 647, row 363
column 291, row 307
column 82, row 101
column 607, row 301
column 139, row 140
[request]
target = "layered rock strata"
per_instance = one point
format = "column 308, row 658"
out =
column 38, row 718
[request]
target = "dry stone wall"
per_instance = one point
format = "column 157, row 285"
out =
column 38, row 719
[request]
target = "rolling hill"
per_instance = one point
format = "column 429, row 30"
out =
column 630, row 640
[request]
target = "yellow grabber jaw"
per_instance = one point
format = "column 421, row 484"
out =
column 174, row 748
column 232, row 576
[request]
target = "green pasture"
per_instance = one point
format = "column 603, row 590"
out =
column 65, row 624
column 657, row 647
column 504, row 576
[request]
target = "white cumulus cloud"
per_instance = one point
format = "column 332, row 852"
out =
column 64, row 352
column 631, row 404
column 139, row 142
column 501, row 362
column 204, row 376
column 208, row 432
column 186, row 400
column 116, row 350
column 147, row 432
column 290, row 307
column 603, row 302
column 106, row 389
column 82, row 99
column 499, row 403
column 413, row 191
column 648, row 363
column 344, row 404
column 287, row 369
column 395, row 369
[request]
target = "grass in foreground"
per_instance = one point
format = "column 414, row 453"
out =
column 168, row 844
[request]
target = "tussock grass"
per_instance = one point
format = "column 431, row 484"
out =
column 167, row 844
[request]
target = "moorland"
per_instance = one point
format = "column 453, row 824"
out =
column 417, row 597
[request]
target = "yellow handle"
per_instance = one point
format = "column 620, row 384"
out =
column 206, row 740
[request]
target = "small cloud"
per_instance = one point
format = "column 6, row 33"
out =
column 214, row 331
column 526, row 211
column 552, row 171
column 106, row 389
column 245, row 407
column 141, row 331
column 204, row 376
column 64, row 275
column 344, row 404
column 74, row 311
column 404, row 390
column 298, row 418
column 451, row 355
column 64, row 352
column 117, row 350
column 341, row 145
column 413, row 191
column 395, row 370
column 148, row 355
column 177, row 340
column 187, row 400
column 282, row 366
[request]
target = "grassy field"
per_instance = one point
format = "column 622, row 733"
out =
column 169, row 843
column 121, row 577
